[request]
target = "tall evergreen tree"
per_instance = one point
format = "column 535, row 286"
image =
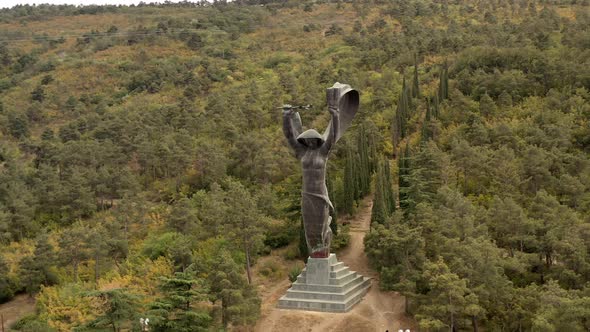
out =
column 7, row 286
column 443, row 86
column 388, row 188
column 415, row 83
column 119, row 308
column 176, row 310
column 379, row 210
column 73, row 244
column 36, row 270
column 358, row 178
column 426, row 130
column 364, row 173
column 349, row 183
column 404, row 172
column 435, row 106
column 243, row 223
column 240, row 303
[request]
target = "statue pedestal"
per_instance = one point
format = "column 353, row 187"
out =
column 325, row 285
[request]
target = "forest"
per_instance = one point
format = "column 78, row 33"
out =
column 144, row 173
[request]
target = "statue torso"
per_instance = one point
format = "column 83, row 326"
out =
column 314, row 163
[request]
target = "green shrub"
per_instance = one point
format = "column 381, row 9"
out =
column 31, row 323
column 294, row 273
column 271, row 270
column 342, row 239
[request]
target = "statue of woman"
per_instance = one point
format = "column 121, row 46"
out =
column 312, row 149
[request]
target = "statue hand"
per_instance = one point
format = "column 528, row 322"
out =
column 332, row 94
column 288, row 109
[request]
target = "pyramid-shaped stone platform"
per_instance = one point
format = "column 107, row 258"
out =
column 325, row 285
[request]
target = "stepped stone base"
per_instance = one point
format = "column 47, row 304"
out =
column 325, row 285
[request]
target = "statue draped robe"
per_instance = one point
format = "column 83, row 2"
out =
column 315, row 203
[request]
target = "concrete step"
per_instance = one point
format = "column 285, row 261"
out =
column 335, row 287
column 337, row 266
column 358, row 296
column 340, row 272
column 312, row 305
column 326, row 305
column 336, row 278
column 341, row 287
column 325, row 294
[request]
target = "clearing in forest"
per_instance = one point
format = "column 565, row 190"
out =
column 378, row 311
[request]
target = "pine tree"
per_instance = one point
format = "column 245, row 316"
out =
column 73, row 244
column 240, row 304
column 175, row 310
column 36, row 270
column 244, row 223
column 7, row 286
column 119, row 307
column 487, row 107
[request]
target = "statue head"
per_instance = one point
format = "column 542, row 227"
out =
column 311, row 139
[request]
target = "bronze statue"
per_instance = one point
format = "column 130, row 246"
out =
column 312, row 149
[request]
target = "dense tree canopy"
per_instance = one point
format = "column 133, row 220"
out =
column 140, row 149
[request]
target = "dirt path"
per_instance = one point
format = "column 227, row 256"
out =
column 378, row 311
column 16, row 309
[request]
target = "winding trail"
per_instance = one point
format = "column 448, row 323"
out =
column 15, row 309
column 378, row 311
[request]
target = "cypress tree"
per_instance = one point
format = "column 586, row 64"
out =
column 388, row 188
column 426, row 132
column 349, row 183
column 402, row 114
column 358, row 177
column 372, row 142
column 365, row 172
column 435, row 107
column 446, row 82
column 404, row 172
column 399, row 128
column 428, row 113
column 408, row 99
column 416, row 83
column 379, row 210
column 404, row 101
column 366, row 162
column 443, row 86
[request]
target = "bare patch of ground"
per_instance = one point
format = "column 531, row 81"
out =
column 15, row 309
